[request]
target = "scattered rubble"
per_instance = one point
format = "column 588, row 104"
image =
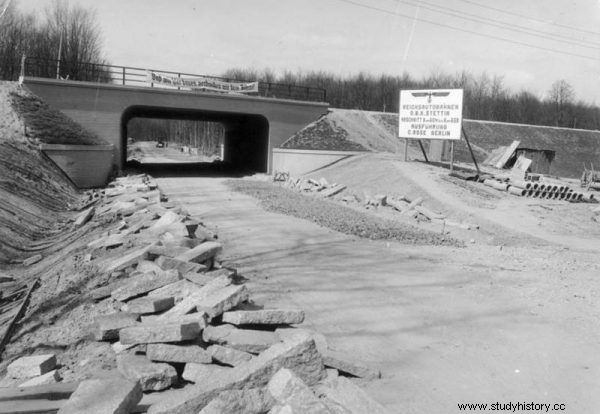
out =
column 404, row 205
column 177, row 320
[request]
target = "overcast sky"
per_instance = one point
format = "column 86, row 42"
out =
column 348, row 36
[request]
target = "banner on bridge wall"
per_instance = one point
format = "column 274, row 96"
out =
column 201, row 83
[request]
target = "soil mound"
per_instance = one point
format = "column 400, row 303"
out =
column 348, row 130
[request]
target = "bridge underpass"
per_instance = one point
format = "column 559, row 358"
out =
column 246, row 137
column 254, row 125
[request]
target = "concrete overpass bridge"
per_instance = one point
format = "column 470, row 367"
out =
column 254, row 125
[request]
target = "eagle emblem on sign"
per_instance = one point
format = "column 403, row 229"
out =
column 429, row 95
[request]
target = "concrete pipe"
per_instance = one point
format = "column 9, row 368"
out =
column 530, row 192
column 526, row 185
column 496, row 184
column 517, row 191
column 550, row 195
column 579, row 197
column 588, row 197
column 561, row 196
column 542, row 187
column 535, row 186
column 537, row 193
column 568, row 196
column 543, row 194
column 556, row 195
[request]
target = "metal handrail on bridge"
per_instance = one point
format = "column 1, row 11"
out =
column 132, row 76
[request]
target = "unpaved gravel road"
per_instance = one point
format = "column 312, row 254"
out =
column 444, row 325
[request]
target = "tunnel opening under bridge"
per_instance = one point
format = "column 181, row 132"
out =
column 171, row 140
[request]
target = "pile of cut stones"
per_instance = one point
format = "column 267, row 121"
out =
column 187, row 337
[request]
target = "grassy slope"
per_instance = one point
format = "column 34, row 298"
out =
column 49, row 125
column 339, row 218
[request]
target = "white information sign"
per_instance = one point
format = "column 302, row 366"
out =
column 431, row 114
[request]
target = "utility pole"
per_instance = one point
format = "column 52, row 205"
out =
column 58, row 58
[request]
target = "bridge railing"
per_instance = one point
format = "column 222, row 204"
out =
column 132, row 76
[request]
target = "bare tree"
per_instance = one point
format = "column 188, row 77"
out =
column 561, row 95
column 71, row 29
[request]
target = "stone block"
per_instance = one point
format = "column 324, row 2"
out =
column 127, row 260
column 222, row 300
column 107, row 327
column 168, row 251
column 202, row 279
column 149, row 266
column 178, row 353
column 149, row 305
column 143, row 283
column 228, row 356
column 178, row 290
column 118, row 347
column 31, row 366
column 199, row 279
column 292, row 334
column 289, row 390
column 104, row 396
column 196, row 317
column 167, row 263
column 247, row 340
column 201, row 373
column 251, row 401
column 300, row 356
column 165, row 223
column 152, row 376
column 171, row 332
column 104, row 292
column 342, row 392
column 265, row 317
column 336, row 360
column 201, row 252
column 51, row 377
column 188, row 304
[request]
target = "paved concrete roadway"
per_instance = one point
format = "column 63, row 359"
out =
column 443, row 325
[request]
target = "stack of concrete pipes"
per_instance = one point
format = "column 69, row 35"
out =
column 540, row 189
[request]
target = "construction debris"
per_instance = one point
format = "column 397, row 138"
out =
column 539, row 186
column 182, row 322
column 407, row 207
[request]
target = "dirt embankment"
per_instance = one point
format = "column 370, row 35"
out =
column 353, row 130
column 35, row 196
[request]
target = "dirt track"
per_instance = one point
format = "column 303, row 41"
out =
column 444, row 325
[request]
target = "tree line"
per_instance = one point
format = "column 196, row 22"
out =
column 206, row 136
column 486, row 97
column 69, row 33
column 73, row 33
